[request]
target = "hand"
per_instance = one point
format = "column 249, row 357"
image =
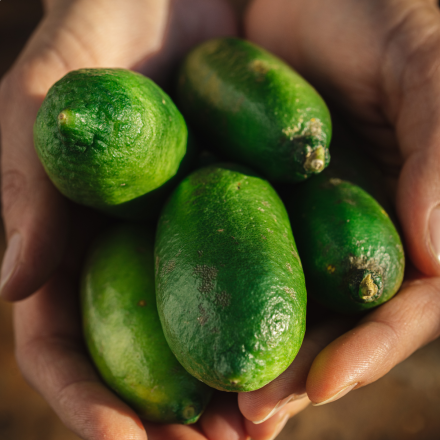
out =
column 147, row 36
column 47, row 235
column 377, row 62
column 51, row 355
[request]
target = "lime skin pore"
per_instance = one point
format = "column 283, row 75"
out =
column 109, row 136
column 352, row 254
column 255, row 109
column 230, row 287
column 123, row 331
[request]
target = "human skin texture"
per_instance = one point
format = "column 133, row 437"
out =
column 376, row 63
column 47, row 235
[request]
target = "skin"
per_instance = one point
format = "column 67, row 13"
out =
column 151, row 37
column 377, row 63
column 376, row 60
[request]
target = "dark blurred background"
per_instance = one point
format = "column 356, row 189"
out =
column 403, row 405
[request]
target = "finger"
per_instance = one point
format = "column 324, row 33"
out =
column 35, row 214
column 383, row 71
column 413, row 86
column 222, row 419
column 173, row 432
column 52, row 358
column 260, row 405
column 383, row 338
column 272, row 427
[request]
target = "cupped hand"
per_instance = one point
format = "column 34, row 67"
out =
column 52, row 357
column 143, row 35
column 378, row 63
column 47, row 235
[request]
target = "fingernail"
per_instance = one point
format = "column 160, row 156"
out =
column 434, row 231
column 280, row 426
column 338, row 395
column 10, row 259
column 279, row 405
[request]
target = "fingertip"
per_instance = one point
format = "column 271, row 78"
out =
column 272, row 427
column 342, row 364
column 258, row 411
column 341, row 393
column 290, row 387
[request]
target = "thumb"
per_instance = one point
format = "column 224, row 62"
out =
column 34, row 213
column 413, row 94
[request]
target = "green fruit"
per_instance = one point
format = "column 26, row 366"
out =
column 230, row 287
column 352, row 254
column 123, row 332
column 106, row 137
column 256, row 109
column 149, row 205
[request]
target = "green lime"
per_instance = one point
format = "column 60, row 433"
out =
column 107, row 137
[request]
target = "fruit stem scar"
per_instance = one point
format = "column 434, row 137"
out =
column 368, row 288
column 62, row 116
column 315, row 160
column 190, row 415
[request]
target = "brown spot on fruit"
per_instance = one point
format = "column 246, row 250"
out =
column 207, row 275
column 203, row 318
column 157, row 265
column 222, row 299
column 168, row 268
column 335, row 181
column 331, row 268
column 260, row 66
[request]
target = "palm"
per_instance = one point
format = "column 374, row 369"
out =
column 376, row 63
column 351, row 52
column 149, row 37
